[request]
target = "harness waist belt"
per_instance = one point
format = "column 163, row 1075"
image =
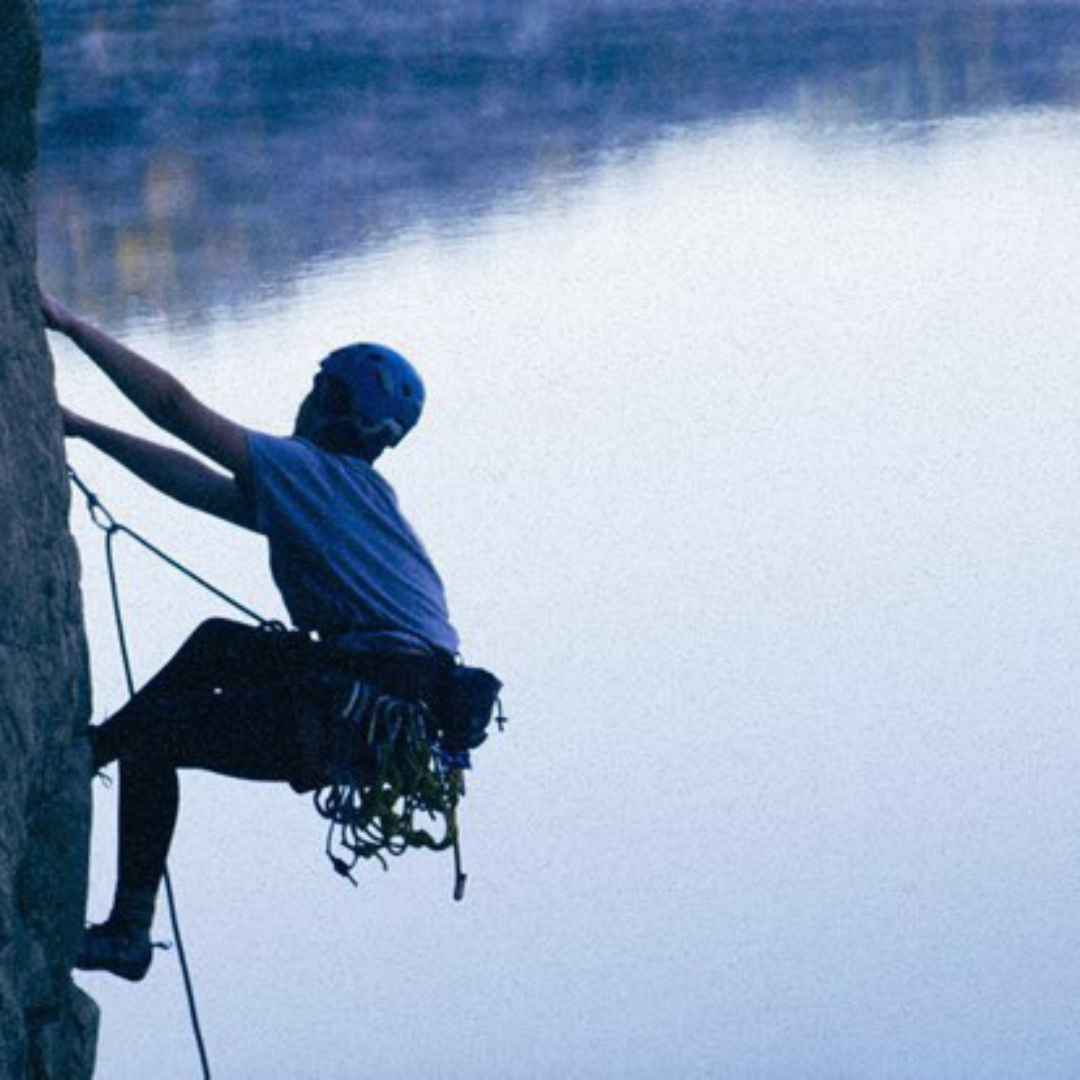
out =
column 406, row 675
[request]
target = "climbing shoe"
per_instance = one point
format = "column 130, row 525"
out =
column 121, row 948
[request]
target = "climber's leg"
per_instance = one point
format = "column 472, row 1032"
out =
column 229, row 723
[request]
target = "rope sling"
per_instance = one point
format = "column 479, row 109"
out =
column 418, row 758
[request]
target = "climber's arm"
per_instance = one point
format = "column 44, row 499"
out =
column 176, row 474
column 156, row 393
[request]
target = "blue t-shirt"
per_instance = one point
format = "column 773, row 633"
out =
column 344, row 558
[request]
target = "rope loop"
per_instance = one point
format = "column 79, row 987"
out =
column 98, row 511
column 104, row 520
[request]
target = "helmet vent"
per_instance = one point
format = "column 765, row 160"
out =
column 382, row 386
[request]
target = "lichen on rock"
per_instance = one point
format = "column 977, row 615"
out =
column 48, row 1027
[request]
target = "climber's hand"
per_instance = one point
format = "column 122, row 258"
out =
column 56, row 316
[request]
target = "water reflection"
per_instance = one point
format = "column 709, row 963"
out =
column 753, row 469
column 195, row 153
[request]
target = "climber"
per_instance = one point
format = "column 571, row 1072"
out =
column 358, row 584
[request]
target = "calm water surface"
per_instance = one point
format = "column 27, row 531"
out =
column 751, row 464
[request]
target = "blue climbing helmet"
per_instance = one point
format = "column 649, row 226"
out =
column 386, row 395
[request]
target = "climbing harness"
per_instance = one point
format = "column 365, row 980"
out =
column 420, row 750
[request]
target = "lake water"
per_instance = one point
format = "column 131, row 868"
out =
column 750, row 462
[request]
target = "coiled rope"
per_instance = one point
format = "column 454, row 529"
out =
column 112, row 528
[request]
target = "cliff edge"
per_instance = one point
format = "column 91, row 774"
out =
column 48, row 1027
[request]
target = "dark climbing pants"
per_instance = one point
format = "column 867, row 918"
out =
column 232, row 700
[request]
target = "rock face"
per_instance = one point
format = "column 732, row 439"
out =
column 48, row 1028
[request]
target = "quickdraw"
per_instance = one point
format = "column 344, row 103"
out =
column 372, row 813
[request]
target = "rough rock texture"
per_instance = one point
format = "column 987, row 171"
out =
column 48, row 1028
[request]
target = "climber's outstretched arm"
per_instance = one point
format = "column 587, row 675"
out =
column 156, row 393
column 179, row 475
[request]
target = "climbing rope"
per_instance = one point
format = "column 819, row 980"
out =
column 111, row 527
column 104, row 520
